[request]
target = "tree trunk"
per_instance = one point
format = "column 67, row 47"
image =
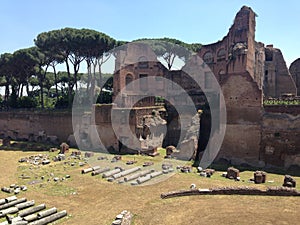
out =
column 42, row 77
column 100, row 78
column 89, row 81
column 70, row 86
column 6, row 91
column 75, row 76
column 21, row 90
column 42, row 91
column 18, row 89
column 27, row 90
column 55, row 80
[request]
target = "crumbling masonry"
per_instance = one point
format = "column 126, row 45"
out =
column 248, row 72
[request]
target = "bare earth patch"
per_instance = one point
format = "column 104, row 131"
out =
column 93, row 200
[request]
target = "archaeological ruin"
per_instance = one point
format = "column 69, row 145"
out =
column 248, row 72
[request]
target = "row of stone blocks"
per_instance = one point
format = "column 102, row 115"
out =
column 271, row 191
column 135, row 174
column 124, row 218
column 25, row 212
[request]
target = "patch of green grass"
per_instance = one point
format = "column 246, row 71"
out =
column 98, row 202
column 57, row 189
column 27, row 146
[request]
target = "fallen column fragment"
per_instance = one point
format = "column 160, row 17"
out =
column 156, row 174
column 50, row 218
column 19, row 222
column 25, row 204
column 84, row 171
column 47, row 212
column 10, row 199
column 10, row 210
column 31, row 217
column 143, row 179
column 126, row 172
column 31, row 210
column 2, row 201
column 112, row 172
column 12, row 203
column 11, row 220
column 95, row 168
column 97, row 172
column 7, row 190
column 88, row 170
column 137, row 175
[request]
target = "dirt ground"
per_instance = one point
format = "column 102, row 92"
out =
column 93, row 200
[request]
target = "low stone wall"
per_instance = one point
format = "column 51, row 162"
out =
column 280, row 143
column 271, row 191
column 36, row 125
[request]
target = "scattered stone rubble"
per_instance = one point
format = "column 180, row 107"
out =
column 88, row 154
column 131, row 162
column 20, row 211
column 233, row 173
column 289, row 181
column 76, row 153
column 145, row 164
column 167, row 167
column 64, row 147
column 116, row 158
column 124, row 218
column 59, row 157
column 44, row 159
column 102, row 158
column 169, row 151
column 260, row 177
column 185, row 169
column 206, row 173
column 14, row 188
column 40, row 159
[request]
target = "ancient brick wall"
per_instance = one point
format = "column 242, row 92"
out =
column 30, row 125
column 236, row 52
column 244, row 114
column 104, row 130
column 283, row 109
column 277, row 78
column 133, row 72
column 295, row 72
column 246, row 71
column 137, row 61
column 280, row 145
column 104, row 127
column 259, row 68
column 237, row 63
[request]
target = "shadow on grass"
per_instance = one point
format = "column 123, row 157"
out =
column 27, row 146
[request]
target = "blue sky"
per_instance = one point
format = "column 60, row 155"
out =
column 278, row 22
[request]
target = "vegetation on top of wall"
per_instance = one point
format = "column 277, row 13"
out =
column 281, row 102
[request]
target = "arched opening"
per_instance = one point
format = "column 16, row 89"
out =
column 128, row 80
column 143, row 62
column 221, row 54
column 208, row 57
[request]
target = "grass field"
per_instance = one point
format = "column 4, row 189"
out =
column 93, row 200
